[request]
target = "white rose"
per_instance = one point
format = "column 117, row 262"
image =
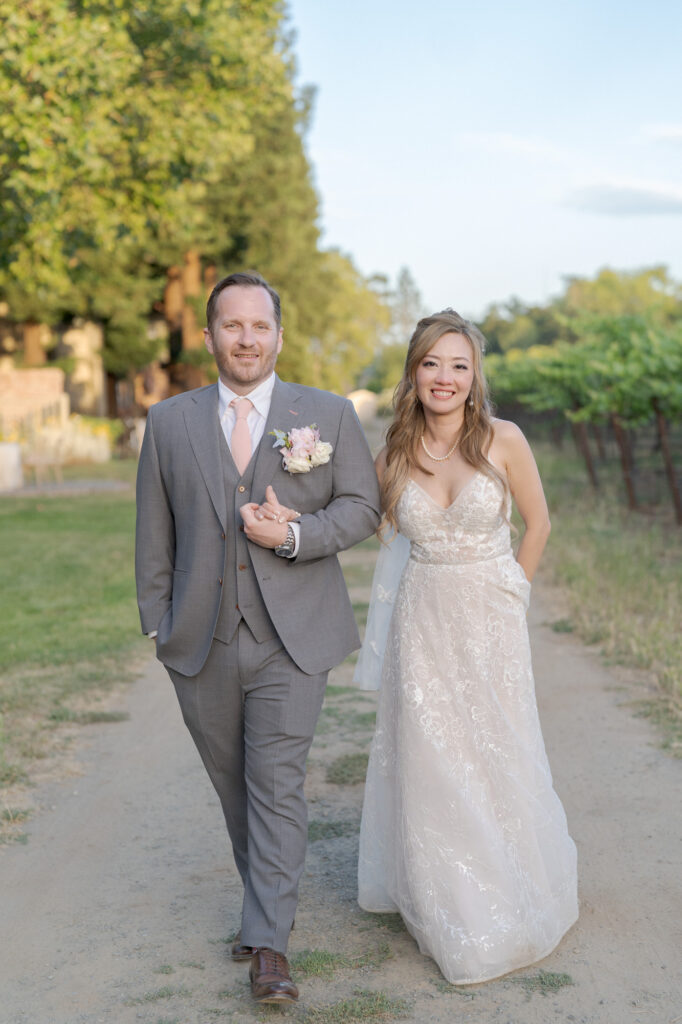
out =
column 321, row 453
column 297, row 464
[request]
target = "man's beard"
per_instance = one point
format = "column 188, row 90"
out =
column 245, row 371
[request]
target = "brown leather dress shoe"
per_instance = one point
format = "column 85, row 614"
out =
column 270, row 978
column 239, row 952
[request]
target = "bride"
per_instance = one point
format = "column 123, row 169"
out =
column 462, row 832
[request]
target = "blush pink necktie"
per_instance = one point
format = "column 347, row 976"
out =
column 240, row 442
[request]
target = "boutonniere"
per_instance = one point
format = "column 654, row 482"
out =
column 302, row 449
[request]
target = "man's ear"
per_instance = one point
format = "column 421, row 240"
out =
column 280, row 341
column 208, row 340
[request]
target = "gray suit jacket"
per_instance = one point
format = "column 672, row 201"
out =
column 183, row 522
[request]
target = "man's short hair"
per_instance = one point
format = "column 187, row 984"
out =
column 242, row 279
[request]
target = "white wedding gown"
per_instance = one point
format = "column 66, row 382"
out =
column 462, row 832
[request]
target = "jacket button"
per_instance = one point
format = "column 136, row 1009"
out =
column 222, row 536
column 241, row 568
column 241, row 528
column 237, row 607
column 220, row 580
column 241, row 488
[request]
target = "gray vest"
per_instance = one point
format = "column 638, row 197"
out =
column 241, row 594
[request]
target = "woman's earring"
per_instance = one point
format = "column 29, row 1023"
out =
column 471, row 401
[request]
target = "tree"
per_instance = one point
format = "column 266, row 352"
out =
column 515, row 325
column 407, row 307
column 650, row 292
column 119, row 118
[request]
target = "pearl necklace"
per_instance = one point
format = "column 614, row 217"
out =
column 437, row 458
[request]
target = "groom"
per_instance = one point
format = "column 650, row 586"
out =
column 245, row 596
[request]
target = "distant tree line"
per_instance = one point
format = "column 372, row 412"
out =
column 613, row 365
column 147, row 148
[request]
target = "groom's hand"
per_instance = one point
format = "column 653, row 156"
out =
column 267, row 533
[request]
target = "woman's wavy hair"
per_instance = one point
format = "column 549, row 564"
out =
column 403, row 437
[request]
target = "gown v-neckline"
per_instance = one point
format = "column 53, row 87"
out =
column 460, row 492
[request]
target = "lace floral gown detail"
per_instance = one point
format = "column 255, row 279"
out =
column 462, row 832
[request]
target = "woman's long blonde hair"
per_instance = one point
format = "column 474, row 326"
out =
column 403, row 437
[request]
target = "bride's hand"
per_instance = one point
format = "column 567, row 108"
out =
column 271, row 509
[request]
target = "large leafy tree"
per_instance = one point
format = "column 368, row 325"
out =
column 167, row 135
column 118, row 119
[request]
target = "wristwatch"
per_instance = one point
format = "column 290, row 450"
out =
column 286, row 549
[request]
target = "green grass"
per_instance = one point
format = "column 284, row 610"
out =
column 360, row 610
column 320, row 963
column 167, row 992
column 69, row 627
column 61, row 714
column 364, row 1006
column 544, row 982
column 621, row 574
column 391, row 922
column 66, row 578
column 11, row 825
column 348, row 770
column 341, row 691
column 360, row 574
column 317, row 963
column 318, row 830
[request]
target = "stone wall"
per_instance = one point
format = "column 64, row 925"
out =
column 30, row 398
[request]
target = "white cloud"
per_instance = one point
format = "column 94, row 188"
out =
column 663, row 132
column 626, row 199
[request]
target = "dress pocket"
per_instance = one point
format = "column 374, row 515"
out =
column 515, row 581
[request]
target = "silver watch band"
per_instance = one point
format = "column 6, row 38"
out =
column 286, row 549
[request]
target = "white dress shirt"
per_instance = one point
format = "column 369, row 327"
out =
column 260, row 399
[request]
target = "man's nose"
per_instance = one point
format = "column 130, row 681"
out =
column 248, row 338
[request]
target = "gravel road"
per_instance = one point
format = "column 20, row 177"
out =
column 118, row 907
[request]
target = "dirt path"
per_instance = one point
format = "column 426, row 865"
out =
column 118, row 907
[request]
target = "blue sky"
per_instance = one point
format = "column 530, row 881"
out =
column 496, row 147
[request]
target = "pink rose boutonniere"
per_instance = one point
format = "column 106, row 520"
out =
column 302, row 449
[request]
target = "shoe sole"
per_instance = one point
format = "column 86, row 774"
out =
column 240, row 957
column 281, row 997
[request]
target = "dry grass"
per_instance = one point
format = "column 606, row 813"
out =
column 621, row 574
column 69, row 630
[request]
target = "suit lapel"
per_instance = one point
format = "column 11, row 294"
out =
column 285, row 413
column 203, row 429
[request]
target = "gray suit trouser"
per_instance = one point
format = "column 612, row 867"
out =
column 252, row 714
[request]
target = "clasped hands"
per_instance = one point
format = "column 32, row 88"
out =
column 267, row 524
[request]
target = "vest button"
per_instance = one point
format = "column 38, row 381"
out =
column 222, row 536
column 241, row 568
column 241, row 528
column 241, row 488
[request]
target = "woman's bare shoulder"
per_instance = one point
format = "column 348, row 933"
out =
column 508, row 444
column 506, row 430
